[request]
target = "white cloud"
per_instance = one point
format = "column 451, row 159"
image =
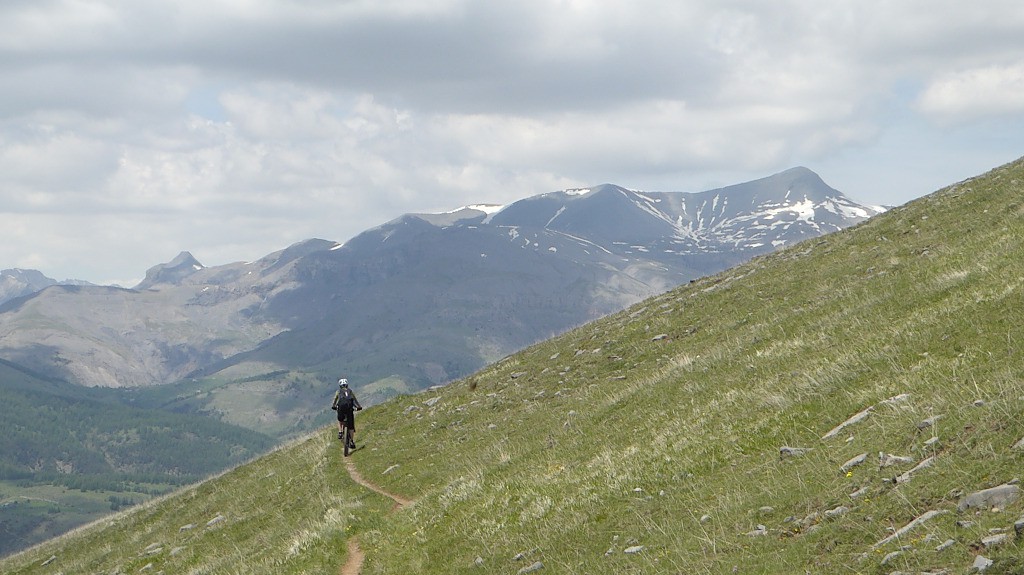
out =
column 232, row 128
column 991, row 91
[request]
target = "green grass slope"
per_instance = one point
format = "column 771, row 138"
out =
column 69, row 455
column 714, row 429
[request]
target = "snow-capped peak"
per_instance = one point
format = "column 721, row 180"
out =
column 485, row 208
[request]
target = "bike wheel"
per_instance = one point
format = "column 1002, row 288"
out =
column 346, row 440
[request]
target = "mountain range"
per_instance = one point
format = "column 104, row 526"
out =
column 850, row 403
column 415, row 302
column 18, row 282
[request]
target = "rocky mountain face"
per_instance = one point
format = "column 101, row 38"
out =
column 18, row 282
column 419, row 300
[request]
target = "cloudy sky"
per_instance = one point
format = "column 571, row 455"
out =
column 132, row 130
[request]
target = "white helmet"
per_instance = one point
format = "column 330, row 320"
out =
column 343, row 382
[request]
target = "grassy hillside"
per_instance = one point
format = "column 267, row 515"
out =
column 69, row 455
column 835, row 407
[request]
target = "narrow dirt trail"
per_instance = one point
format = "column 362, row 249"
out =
column 354, row 564
column 354, row 473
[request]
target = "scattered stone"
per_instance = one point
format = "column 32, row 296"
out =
column 1018, row 527
column 979, row 402
column 154, row 550
column 981, row 563
column 999, row 496
column 48, row 561
column 660, row 337
column 411, row 409
column 889, row 557
column 859, row 493
column 531, row 568
column 964, row 524
column 176, row 551
column 759, row 532
column 812, row 519
column 896, row 399
column 389, row 469
column 633, row 550
column 1019, row 445
column 905, row 477
column 888, row 460
column 945, row 545
column 931, row 441
column 188, row 527
column 215, row 520
column 837, row 512
column 705, row 518
column 906, row 528
column 785, row 451
column 925, row 424
column 492, row 426
column 994, row 540
column 854, row 462
column 432, row 401
column 151, row 547
column 519, row 557
column 855, row 418
column 146, row 567
column 766, row 510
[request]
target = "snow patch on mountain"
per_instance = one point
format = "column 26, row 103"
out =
column 849, row 211
column 803, row 210
column 648, row 205
column 554, row 217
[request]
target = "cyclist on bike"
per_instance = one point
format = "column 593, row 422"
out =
column 345, row 403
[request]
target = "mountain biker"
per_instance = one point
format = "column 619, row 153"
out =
column 344, row 403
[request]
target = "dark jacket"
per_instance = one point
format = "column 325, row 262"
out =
column 337, row 397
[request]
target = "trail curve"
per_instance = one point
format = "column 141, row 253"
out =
column 354, row 563
column 354, row 473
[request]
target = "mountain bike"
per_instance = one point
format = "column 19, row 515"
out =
column 346, row 434
column 346, row 440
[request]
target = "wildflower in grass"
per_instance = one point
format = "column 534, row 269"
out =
column 849, row 474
